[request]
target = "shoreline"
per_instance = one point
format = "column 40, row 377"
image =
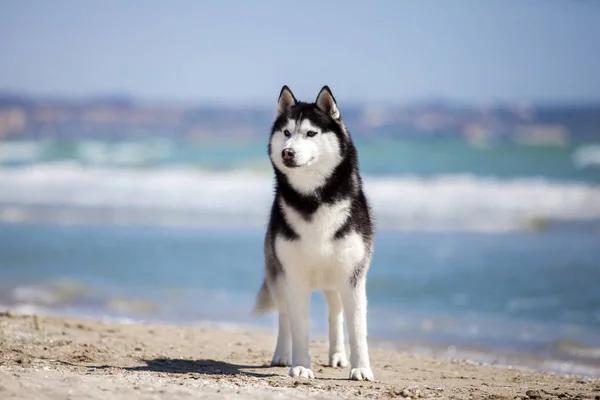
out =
column 53, row 357
column 572, row 363
column 569, row 364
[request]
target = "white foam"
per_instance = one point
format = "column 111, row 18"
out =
column 22, row 151
column 482, row 204
column 457, row 202
column 587, row 156
column 123, row 153
column 89, row 152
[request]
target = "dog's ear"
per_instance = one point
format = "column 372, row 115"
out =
column 286, row 100
column 326, row 102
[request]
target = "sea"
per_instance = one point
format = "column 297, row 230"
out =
column 489, row 251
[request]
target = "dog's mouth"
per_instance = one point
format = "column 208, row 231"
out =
column 293, row 164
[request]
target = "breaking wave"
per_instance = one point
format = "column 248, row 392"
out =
column 90, row 152
column 587, row 156
column 186, row 194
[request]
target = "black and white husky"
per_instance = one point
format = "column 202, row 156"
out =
column 319, row 237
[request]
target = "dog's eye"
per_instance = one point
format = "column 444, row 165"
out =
column 287, row 133
column 311, row 133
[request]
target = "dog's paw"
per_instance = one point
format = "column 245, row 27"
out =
column 338, row 360
column 301, row 372
column 281, row 360
column 361, row 374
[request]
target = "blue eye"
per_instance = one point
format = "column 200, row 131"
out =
column 287, row 133
column 311, row 133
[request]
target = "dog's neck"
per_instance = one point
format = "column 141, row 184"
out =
column 342, row 183
column 306, row 181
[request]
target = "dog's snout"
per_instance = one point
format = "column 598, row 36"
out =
column 288, row 154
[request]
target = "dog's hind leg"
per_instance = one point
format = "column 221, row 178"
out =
column 354, row 298
column 337, row 351
column 283, row 350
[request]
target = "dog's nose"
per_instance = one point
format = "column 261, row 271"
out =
column 288, row 154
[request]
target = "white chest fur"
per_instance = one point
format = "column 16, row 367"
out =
column 317, row 258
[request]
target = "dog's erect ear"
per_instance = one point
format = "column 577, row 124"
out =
column 286, row 100
column 326, row 102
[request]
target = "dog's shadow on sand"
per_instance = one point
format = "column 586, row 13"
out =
column 205, row 367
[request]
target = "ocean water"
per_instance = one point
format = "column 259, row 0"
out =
column 490, row 252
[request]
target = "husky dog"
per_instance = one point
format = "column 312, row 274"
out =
column 319, row 237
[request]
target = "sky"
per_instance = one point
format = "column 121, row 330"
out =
column 240, row 51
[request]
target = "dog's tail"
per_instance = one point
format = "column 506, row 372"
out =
column 264, row 300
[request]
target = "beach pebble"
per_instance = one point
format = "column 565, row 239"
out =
column 410, row 392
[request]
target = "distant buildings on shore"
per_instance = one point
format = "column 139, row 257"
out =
column 120, row 118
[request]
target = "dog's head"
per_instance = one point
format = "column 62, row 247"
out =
column 308, row 140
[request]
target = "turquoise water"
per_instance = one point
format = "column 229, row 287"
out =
column 494, row 249
column 377, row 157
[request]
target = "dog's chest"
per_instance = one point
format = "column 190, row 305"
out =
column 316, row 256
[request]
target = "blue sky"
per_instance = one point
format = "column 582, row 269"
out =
column 243, row 51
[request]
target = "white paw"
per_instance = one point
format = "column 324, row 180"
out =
column 281, row 360
column 301, row 372
column 361, row 374
column 338, row 360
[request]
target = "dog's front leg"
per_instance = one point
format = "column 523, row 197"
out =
column 354, row 297
column 337, row 352
column 298, row 306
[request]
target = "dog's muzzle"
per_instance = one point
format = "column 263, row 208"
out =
column 289, row 157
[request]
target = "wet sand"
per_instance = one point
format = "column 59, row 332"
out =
column 68, row 358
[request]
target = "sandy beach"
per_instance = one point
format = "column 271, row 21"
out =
column 67, row 358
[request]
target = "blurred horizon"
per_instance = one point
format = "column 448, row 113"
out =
column 8, row 96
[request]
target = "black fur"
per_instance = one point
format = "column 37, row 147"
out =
column 344, row 183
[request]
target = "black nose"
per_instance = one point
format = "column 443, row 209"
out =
column 288, row 154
